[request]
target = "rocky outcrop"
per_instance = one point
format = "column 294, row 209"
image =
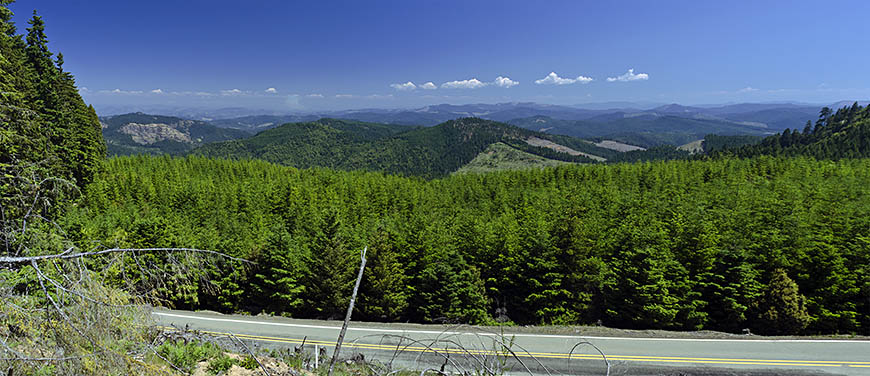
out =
column 147, row 134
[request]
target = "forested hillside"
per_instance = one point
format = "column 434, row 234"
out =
column 321, row 143
column 139, row 133
column 835, row 135
column 428, row 152
column 776, row 245
column 46, row 129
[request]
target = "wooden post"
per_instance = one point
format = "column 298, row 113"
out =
column 349, row 312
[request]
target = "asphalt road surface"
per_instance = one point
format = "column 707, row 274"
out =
column 466, row 348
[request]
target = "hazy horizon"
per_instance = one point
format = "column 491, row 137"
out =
column 239, row 111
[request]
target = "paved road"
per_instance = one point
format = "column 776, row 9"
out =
column 465, row 347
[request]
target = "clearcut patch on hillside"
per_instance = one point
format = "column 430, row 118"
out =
column 500, row 156
column 693, row 147
column 540, row 142
column 618, row 146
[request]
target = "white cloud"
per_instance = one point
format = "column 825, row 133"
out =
column 407, row 86
column 505, row 82
column 629, row 76
column 314, row 96
column 464, row 84
column 189, row 93
column 344, row 96
column 554, row 79
column 83, row 89
column 747, row 89
column 231, row 92
column 119, row 91
column 428, row 86
column 157, row 91
column 378, row 96
column 271, row 90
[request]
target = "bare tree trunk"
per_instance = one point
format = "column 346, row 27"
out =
column 349, row 312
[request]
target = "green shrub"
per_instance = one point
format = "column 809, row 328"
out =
column 220, row 364
column 249, row 363
column 185, row 355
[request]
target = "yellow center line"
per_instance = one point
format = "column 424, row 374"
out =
column 632, row 358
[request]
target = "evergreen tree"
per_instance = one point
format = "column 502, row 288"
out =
column 384, row 291
column 278, row 282
column 782, row 309
column 331, row 271
column 44, row 70
column 46, row 125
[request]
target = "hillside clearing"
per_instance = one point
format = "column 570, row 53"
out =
column 500, row 156
column 540, row 142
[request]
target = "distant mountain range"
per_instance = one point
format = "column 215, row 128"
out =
column 672, row 124
column 425, row 116
column 478, row 144
column 642, row 124
column 606, row 131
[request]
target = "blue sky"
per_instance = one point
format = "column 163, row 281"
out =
column 323, row 55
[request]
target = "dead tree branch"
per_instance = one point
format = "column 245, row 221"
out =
column 68, row 254
column 362, row 266
column 251, row 354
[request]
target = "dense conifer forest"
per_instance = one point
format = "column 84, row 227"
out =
column 778, row 245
